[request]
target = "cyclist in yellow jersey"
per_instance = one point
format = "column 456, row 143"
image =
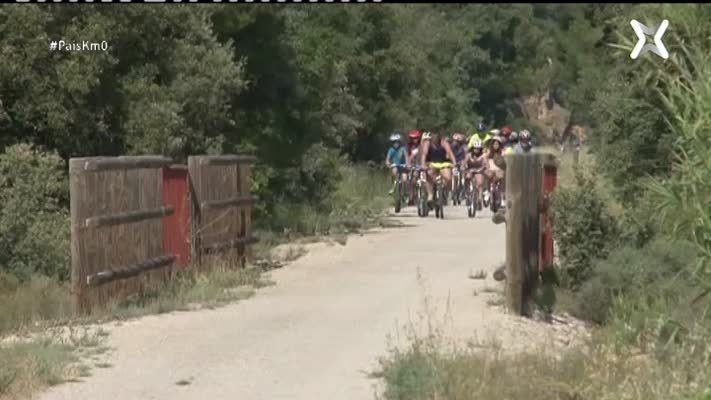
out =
column 480, row 134
column 438, row 157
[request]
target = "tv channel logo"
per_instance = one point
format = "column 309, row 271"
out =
column 642, row 46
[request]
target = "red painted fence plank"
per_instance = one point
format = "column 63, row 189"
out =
column 550, row 179
column 176, row 231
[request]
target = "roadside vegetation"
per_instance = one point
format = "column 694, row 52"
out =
column 313, row 93
column 633, row 228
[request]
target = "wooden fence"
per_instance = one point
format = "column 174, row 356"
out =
column 221, row 205
column 134, row 218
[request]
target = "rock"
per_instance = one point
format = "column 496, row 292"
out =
column 550, row 119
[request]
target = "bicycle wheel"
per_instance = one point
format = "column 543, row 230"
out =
column 472, row 200
column 421, row 196
column 462, row 191
column 440, row 201
column 495, row 201
column 397, row 195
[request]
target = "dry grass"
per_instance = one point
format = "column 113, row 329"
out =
column 30, row 361
column 40, row 302
column 432, row 367
column 29, row 364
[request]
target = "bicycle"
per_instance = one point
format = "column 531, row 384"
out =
column 457, row 185
column 423, row 209
column 496, row 195
column 398, row 194
column 473, row 197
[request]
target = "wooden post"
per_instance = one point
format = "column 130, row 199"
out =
column 523, row 194
column 78, row 217
column 195, row 196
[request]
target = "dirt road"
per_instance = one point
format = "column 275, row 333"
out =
column 317, row 332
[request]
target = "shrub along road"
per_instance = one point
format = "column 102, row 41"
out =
column 318, row 332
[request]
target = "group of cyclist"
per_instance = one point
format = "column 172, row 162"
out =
column 479, row 156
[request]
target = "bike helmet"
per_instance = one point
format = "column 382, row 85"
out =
column 414, row 134
column 481, row 127
column 395, row 137
column 427, row 135
column 514, row 136
column 495, row 132
column 458, row 137
column 506, row 131
column 524, row 135
column 497, row 139
column 477, row 144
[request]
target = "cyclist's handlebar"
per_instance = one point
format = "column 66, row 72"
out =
column 399, row 166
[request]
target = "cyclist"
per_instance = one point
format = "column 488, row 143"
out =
column 412, row 146
column 524, row 145
column 479, row 134
column 487, row 141
column 505, row 134
column 495, row 168
column 511, row 143
column 437, row 155
column 396, row 159
column 459, row 147
column 412, row 160
column 475, row 164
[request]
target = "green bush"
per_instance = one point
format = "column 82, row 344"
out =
column 657, row 272
column 319, row 174
column 356, row 201
column 584, row 228
column 35, row 301
column 34, row 218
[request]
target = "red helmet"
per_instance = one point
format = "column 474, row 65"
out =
column 506, row 131
column 414, row 134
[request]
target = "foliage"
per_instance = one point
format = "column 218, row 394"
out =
column 162, row 87
column 584, row 230
column 51, row 358
column 432, row 367
column 657, row 272
column 34, row 220
column 355, row 203
column 279, row 81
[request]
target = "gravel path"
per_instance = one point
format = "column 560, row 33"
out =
column 320, row 329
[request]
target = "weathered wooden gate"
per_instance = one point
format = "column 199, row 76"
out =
column 221, row 205
column 116, row 222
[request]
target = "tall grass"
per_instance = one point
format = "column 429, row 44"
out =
column 43, row 302
column 358, row 202
column 432, row 369
column 30, row 364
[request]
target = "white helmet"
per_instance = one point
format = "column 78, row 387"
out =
column 524, row 135
column 427, row 135
column 477, row 144
column 395, row 137
column 495, row 132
